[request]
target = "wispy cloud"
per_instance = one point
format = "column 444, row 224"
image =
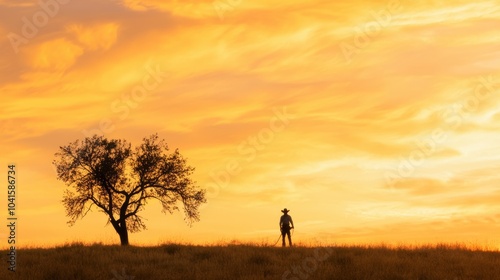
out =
column 352, row 121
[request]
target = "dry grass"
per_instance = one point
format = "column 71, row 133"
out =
column 174, row 261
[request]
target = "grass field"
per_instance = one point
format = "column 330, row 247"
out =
column 173, row 261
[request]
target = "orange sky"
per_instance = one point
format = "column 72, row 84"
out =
column 373, row 121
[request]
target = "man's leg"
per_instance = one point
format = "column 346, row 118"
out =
column 283, row 233
column 289, row 238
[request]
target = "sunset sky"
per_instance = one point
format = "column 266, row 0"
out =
column 373, row 121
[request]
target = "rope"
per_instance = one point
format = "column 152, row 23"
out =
column 279, row 237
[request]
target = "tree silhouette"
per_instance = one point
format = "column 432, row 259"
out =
column 120, row 181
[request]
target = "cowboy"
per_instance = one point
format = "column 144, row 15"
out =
column 285, row 222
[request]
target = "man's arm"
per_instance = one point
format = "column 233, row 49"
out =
column 291, row 222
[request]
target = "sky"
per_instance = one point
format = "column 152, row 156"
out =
column 372, row 121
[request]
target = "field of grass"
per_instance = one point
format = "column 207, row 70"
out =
column 173, row 261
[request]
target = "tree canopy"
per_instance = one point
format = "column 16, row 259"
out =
column 109, row 175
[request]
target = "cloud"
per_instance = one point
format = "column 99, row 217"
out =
column 191, row 9
column 421, row 186
column 20, row 3
column 54, row 55
column 352, row 121
column 101, row 36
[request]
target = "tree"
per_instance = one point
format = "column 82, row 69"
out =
column 120, row 181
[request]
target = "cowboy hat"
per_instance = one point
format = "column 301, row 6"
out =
column 285, row 210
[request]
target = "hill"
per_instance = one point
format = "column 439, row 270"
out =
column 173, row 261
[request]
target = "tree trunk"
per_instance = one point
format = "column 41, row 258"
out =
column 123, row 233
column 123, row 236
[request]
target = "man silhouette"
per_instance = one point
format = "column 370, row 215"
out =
column 285, row 222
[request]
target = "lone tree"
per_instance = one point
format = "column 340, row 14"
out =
column 120, row 181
